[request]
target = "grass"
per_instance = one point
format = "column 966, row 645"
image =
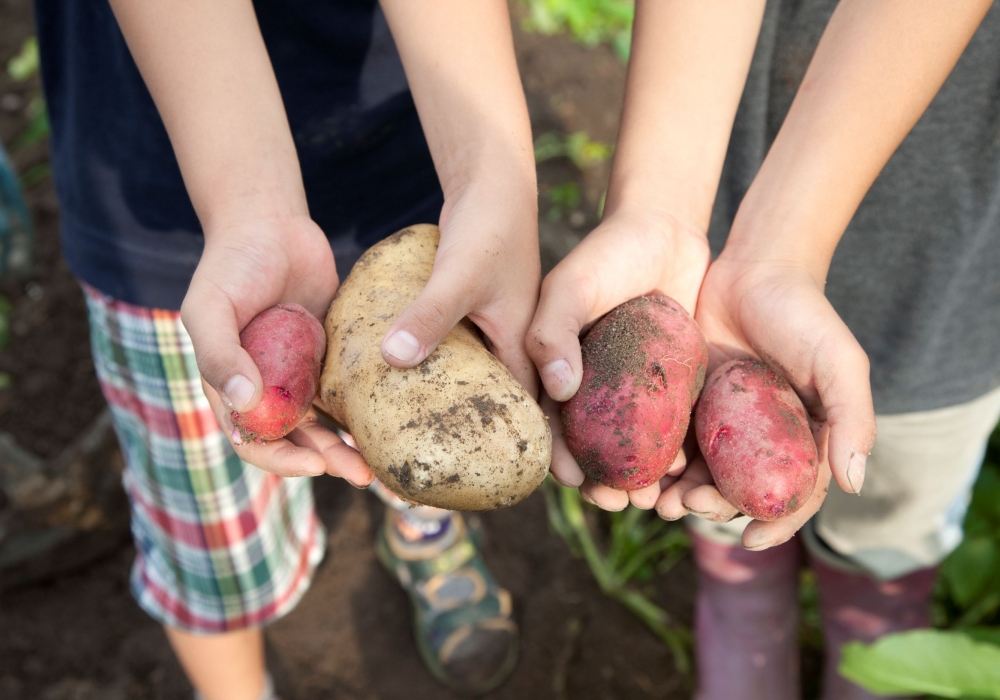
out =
column 639, row 546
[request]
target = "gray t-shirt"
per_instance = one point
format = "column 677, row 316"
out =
column 917, row 274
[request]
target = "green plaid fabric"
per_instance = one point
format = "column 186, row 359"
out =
column 220, row 544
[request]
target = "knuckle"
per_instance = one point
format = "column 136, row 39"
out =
column 429, row 316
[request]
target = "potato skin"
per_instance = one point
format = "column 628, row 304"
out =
column 643, row 367
column 754, row 434
column 287, row 344
column 456, row 432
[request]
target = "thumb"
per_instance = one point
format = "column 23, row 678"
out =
column 212, row 323
column 425, row 322
column 844, row 389
column 553, row 341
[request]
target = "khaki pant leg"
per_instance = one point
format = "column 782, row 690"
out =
column 916, row 492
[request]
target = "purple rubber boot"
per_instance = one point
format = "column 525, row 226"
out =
column 747, row 621
column 856, row 607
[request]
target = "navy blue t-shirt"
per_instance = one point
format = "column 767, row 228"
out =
column 128, row 227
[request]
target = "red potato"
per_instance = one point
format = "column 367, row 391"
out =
column 643, row 367
column 754, row 434
column 287, row 344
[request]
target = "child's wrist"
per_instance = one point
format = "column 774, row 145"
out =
column 640, row 191
column 770, row 247
column 234, row 209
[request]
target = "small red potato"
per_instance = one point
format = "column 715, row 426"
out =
column 754, row 434
column 643, row 367
column 287, row 344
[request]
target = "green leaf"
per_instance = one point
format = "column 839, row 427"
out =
column 566, row 195
column 25, row 63
column 986, row 497
column 970, row 568
column 549, row 145
column 990, row 635
column 35, row 174
column 585, row 153
column 589, row 22
column 946, row 663
column 38, row 128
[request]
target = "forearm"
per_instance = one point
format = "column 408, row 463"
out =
column 459, row 60
column 208, row 71
column 875, row 71
column 686, row 75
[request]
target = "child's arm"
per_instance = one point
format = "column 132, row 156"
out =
column 209, row 73
column 688, row 67
column 877, row 67
column 459, row 60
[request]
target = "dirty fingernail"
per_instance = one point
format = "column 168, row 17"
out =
column 756, row 542
column 856, row 471
column 664, row 516
column 403, row 346
column 238, row 392
column 558, row 379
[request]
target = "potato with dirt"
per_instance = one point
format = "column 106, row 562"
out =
column 458, row 431
column 643, row 367
column 754, row 434
column 287, row 344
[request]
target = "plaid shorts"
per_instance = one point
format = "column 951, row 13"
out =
column 220, row 544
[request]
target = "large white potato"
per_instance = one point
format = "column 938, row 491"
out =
column 456, row 432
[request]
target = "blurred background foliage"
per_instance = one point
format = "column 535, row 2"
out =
column 589, row 22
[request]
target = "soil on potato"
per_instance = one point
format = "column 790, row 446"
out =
column 81, row 637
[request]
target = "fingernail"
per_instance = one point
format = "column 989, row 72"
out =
column 558, row 378
column 237, row 392
column 708, row 515
column 667, row 517
column 403, row 346
column 758, row 543
column 856, row 471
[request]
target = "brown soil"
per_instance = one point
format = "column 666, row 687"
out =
column 81, row 637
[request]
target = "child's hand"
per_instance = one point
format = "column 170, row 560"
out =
column 630, row 254
column 250, row 265
column 487, row 268
column 776, row 311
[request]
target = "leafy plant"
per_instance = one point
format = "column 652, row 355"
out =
column 563, row 198
column 639, row 546
column 589, row 22
column 583, row 153
column 948, row 664
column 578, row 147
column 964, row 661
column 22, row 67
column 26, row 63
column 969, row 590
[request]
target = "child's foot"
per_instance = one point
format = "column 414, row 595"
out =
column 462, row 618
